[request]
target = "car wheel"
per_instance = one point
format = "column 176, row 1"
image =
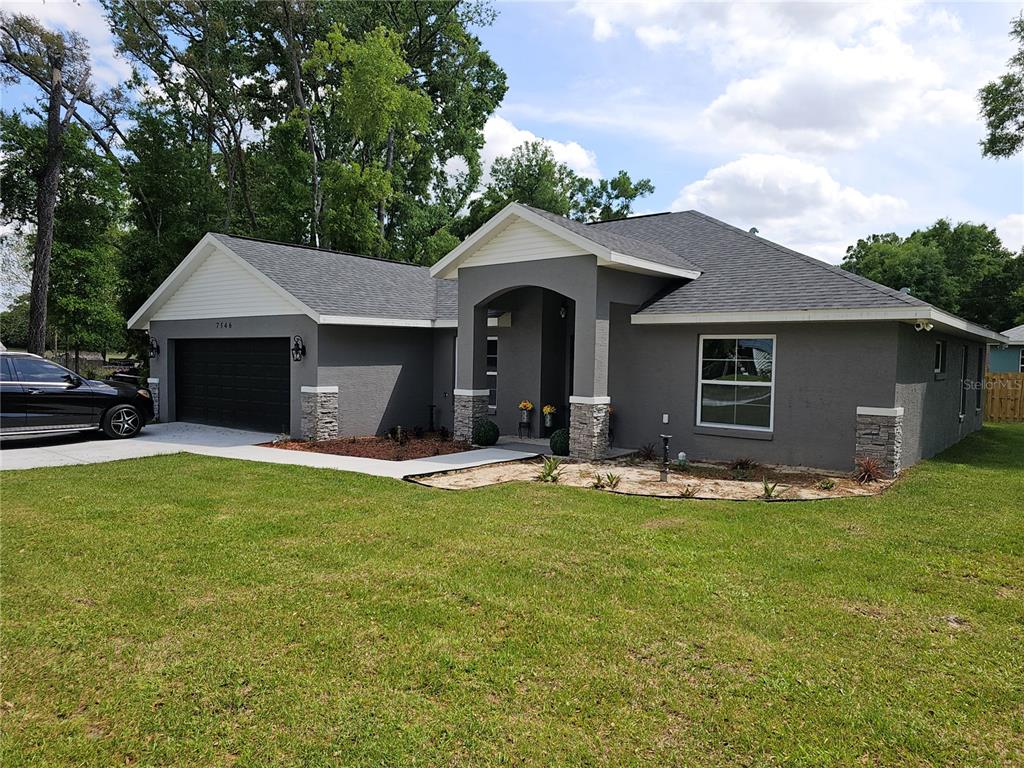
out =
column 122, row 421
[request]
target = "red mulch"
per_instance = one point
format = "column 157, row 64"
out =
column 377, row 447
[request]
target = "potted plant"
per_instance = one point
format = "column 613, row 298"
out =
column 525, row 409
column 549, row 415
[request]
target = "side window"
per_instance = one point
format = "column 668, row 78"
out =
column 6, row 374
column 1022, row 360
column 940, row 357
column 492, row 373
column 32, row 369
column 963, row 382
column 981, row 378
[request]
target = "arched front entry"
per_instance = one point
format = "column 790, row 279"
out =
column 557, row 350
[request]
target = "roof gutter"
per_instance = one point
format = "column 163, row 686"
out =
column 924, row 315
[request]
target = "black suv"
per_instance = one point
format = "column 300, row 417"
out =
column 38, row 396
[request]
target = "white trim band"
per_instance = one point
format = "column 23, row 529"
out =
column 151, row 380
column 320, row 390
column 909, row 314
column 865, row 410
column 576, row 399
column 471, row 392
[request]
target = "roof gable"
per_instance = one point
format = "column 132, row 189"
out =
column 520, row 233
column 221, row 287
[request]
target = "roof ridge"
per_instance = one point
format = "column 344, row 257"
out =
column 319, row 249
column 852, row 276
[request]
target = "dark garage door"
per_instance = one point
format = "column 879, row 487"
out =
column 240, row 383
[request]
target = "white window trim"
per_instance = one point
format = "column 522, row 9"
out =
column 701, row 381
column 493, row 409
column 943, row 356
column 1021, row 366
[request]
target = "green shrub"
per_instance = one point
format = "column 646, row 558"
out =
column 559, row 442
column 485, row 433
column 550, row 470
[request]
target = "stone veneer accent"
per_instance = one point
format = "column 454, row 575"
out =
column 880, row 436
column 153, row 385
column 588, row 429
column 319, row 413
column 470, row 408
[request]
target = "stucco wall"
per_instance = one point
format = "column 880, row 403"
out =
column 931, row 402
column 384, row 376
column 822, row 373
column 444, row 377
column 1004, row 360
column 166, row 331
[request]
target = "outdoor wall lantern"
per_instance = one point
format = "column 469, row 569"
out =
column 154, row 347
column 298, row 349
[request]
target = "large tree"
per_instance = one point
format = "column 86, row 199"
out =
column 531, row 175
column 1002, row 103
column 963, row 269
column 83, row 281
column 250, row 81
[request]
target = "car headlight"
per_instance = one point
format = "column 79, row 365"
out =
column 145, row 393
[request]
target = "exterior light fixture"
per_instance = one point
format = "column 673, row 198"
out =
column 298, row 349
column 154, row 347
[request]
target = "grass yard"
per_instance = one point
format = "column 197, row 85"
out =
column 186, row 610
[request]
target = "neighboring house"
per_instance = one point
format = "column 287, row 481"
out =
column 1009, row 356
column 672, row 323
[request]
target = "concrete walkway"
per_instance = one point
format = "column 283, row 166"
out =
column 178, row 437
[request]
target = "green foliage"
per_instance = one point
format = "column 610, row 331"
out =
column 14, row 323
column 531, row 175
column 826, row 484
column 963, row 269
column 769, row 491
column 85, row 284
column 608, row 480
column 550, row 470
column 647, row 452
column 690, row 490
column 1002, row 103
column 559, row 442
column 485, row 433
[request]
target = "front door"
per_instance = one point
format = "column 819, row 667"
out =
column 54, row 396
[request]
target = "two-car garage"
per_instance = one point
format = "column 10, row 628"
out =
column 239, row 382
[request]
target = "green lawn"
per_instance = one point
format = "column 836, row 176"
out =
column 185, row 610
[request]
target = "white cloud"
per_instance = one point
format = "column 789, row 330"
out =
column 87, row 18
column 814, row 77
column 501, row 137
column 1011, row 231
column 791, row 201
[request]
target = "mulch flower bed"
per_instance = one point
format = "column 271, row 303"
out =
column 378, row 447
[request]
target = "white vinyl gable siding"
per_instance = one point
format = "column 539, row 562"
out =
column 521, row 241
column 221, row 287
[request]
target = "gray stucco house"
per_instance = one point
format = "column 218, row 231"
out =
column 671, row 323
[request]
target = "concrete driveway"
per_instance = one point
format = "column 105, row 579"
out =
column 94, row 447
column 179, row 436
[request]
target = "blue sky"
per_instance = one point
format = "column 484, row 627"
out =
column 816, row 123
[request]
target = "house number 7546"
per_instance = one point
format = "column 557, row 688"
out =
column 223, row 324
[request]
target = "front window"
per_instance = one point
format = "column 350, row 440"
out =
column 736, row 384
column 492, row 374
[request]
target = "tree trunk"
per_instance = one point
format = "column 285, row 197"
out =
column 46, row 203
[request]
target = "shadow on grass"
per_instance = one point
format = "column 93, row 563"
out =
column 995, row 446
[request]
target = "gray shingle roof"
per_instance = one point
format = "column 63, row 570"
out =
column 1015, row 334
column 619, row 242
column 743, row 272
column 334, row 283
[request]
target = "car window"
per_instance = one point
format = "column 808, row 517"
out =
column 34, row 369
column 6, row 374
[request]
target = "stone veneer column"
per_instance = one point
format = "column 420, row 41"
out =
column 470, row 409
column 588, row 427
column 880, row 436
column 319, row 413
column 153, row 385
